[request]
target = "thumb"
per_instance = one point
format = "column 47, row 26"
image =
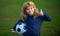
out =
column 41, row 10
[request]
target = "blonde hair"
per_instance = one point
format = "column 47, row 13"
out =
column 25, row 6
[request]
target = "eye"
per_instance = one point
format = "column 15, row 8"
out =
column 27, row 9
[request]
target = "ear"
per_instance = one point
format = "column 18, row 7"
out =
column 41, row 12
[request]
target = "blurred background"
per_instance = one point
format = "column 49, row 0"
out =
column 10, row 13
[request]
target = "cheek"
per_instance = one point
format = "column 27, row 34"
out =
column 27, row 11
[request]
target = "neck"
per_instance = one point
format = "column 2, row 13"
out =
column 30, row 15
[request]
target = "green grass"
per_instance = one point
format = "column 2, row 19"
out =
column 10, row 14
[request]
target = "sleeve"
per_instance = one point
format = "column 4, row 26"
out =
column 14, row 27
column 46, row 17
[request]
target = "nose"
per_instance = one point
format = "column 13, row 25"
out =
column 30, row 10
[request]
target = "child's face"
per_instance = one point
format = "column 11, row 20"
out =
column 30, row 10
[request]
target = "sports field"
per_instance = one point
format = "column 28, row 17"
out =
column 10, row 13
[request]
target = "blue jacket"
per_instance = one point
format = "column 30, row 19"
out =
column 34, row 25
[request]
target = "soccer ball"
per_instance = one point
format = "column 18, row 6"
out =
column 21, row 28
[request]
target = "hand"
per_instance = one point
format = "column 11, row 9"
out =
column 12, row 30
column 41, row 12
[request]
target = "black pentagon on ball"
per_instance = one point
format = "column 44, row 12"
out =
column 18, row 29
column 19, row 23
column 25, row 27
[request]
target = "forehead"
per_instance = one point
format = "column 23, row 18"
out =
column 29, row 7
